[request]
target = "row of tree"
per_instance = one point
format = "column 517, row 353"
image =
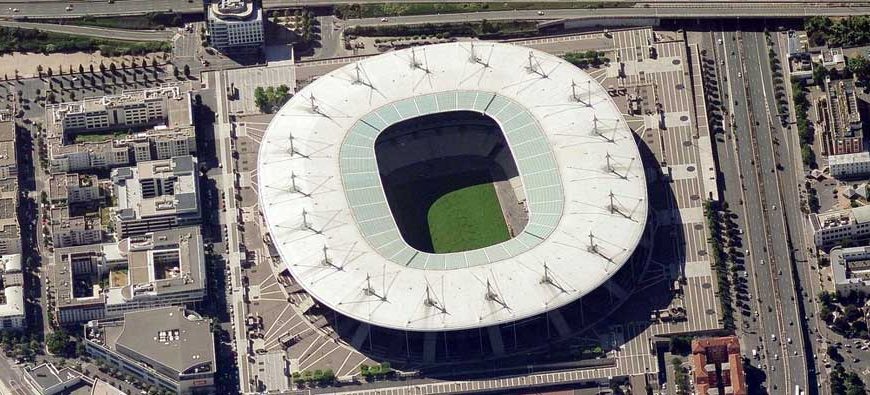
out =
column 849, row 32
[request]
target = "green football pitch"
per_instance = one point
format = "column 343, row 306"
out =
column 467, row 219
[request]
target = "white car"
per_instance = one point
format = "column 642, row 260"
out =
column 69, row 7
column 384, row 19
column 540, row 12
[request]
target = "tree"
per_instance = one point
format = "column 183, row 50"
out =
column 260, row 98
column 176, row 73
column 50, row 72
column 860, row 67
column 819, row 74
column 81, row 69
column 91, row 68
column 58, row 343
column 154, row 63
column 187, row 71
column 807, row 155
column 39, row 71
column 112, row 67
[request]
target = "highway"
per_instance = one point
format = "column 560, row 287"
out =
column 116, row 34
column 731, row 11
column 768, row 209
column 680, row 9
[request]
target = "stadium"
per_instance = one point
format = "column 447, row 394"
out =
column 438, row 200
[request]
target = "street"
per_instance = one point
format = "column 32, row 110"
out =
column 654, row 10
column 758, row 174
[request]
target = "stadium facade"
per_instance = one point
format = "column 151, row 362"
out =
column 332, row 150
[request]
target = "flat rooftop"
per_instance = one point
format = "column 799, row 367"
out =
column 170, row 336
column 167, row 261
column 156, row 188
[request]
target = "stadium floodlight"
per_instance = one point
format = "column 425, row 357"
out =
column 370, row 291
column 576, row 97
column 327, row 261
column 534, row 66
column 473, row 58
column 491, row 296
column 415, row 64
column 549, row 280
column 432, row 302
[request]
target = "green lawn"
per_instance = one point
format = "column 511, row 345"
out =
column 467, row 219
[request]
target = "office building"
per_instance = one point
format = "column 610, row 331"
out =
column 156, row 195
column 849, row 165
column 833, row 227
column 850, row 269
column 12, row 312
column 171, row 348
column 128, row 110
column 235, row 25
column 163, row 268
column 46, row 379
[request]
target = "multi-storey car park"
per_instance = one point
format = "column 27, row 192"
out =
column 345, row 164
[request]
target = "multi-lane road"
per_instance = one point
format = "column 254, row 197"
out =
column 760, row 175
column 670, row 9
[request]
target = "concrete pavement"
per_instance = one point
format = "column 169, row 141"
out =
column 98, row 32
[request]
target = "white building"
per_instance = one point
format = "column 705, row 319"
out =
column 849, row 165
column 170, row 348
column 831, row 228
column 164, row 268
column 156, row 195
column 850, row 269
column 148, row 107
column 71, row 188
column 67, row 231
column 12, row 313
column 235, row 25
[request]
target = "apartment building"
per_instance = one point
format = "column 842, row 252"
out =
column 156, row 195
column 10, row 232
column 133, row 127
column 162, row 268
column 717, row 366
column 67, row 231
column 72, row 188
column 235, row 25
column 843, row 130
column 170, row 348
column 152, row 144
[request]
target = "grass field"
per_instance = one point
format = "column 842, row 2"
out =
column 467, row 219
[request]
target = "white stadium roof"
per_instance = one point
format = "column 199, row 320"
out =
column 321, row 193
